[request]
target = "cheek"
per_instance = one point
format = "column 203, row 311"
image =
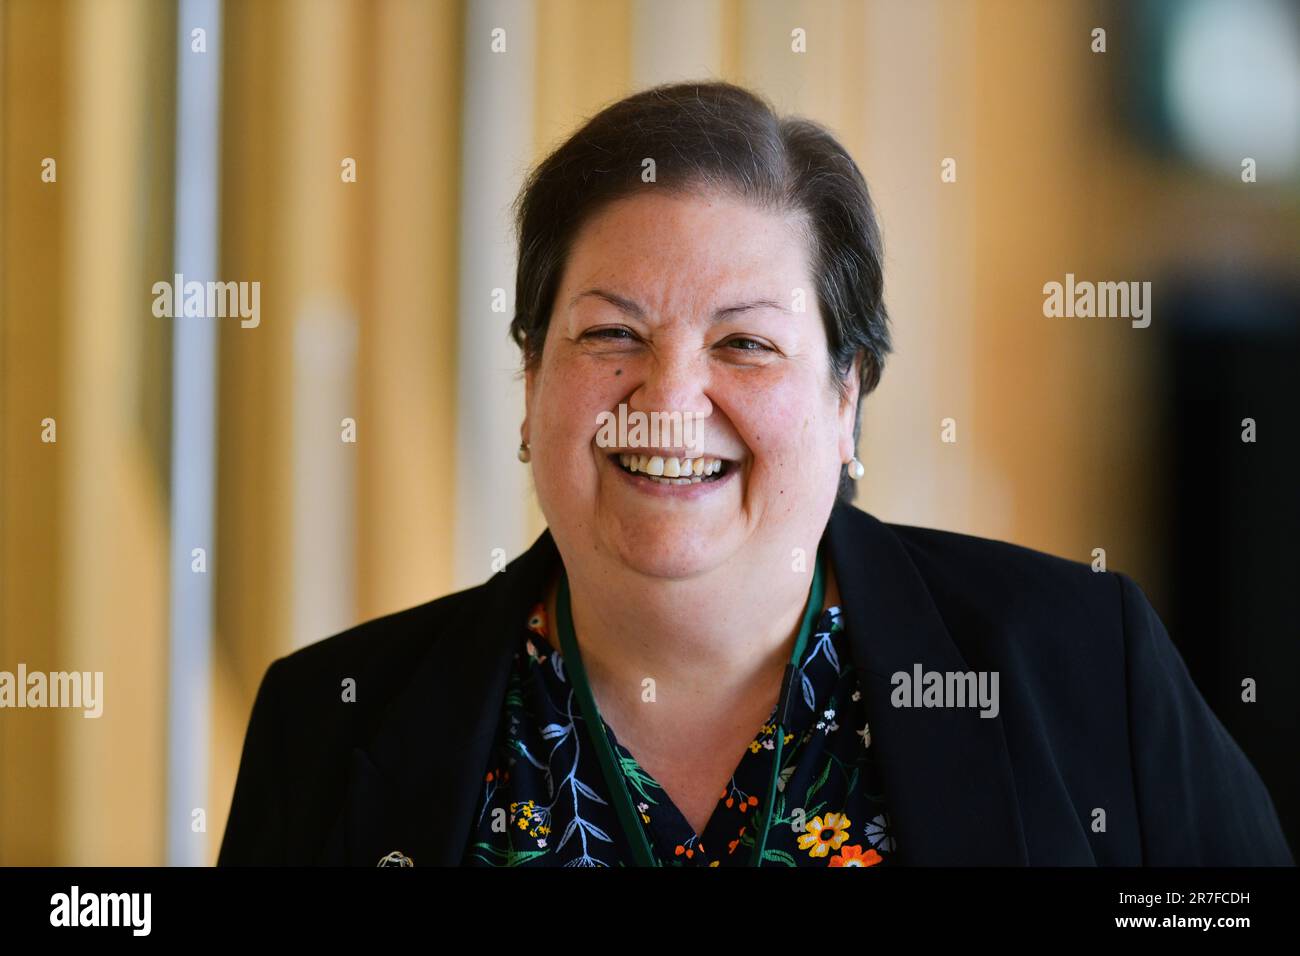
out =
column 573, row 396
column 787, row 423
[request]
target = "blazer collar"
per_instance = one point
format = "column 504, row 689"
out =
column 949, row 789
column 947, row 773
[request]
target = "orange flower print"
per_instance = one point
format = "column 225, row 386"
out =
column 537, row 619
column 731, row 847
column 824, row 834
column 853, row 856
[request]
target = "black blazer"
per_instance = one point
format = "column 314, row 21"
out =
column 1096, row 711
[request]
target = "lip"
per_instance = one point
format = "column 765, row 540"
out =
column 657, row 489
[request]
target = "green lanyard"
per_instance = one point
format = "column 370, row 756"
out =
column 615, row 781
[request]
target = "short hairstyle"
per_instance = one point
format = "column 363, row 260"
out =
column 707, row 136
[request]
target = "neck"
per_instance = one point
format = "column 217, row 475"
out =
column 707, row 644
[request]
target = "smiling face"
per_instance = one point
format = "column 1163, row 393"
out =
column 686, row 303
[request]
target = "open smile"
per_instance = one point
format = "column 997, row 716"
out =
column 672, row 477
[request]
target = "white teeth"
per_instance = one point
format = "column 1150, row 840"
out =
column 667, row 470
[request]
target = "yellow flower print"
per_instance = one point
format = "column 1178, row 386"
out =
column 759, row 742
column 765, row 737
column 522, row 814
column 824, row 834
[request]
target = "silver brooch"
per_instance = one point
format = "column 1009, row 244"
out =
column 396, row 858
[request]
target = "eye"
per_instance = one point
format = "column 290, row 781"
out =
column 750, row 345
column 614, row 333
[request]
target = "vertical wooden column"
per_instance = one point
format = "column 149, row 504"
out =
column 33, row 63
column 287, row 499
column 912, row 114
column 409, row 332
column 252, row 581
column 112, row 577
column 1063, row 468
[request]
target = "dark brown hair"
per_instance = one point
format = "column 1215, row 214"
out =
column 702, row 137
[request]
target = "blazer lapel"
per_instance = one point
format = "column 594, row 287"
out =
column 414, row 788
column 949, row 787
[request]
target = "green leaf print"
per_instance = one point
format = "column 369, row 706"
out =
column 817, row 785
column 638, row 778
column 511, row 856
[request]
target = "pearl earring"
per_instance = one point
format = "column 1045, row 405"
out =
column 524, row 453
column 856, row 468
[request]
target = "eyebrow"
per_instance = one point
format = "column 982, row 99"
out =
column 629, row 307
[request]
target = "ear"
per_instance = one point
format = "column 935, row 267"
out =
column 848, row 410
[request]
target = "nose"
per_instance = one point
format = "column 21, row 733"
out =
column 676, row 380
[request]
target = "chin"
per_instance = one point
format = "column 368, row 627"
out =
column 669, row 549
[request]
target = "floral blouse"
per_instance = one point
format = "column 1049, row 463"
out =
column 544, row 801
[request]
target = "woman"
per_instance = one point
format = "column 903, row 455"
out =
column 711, row 658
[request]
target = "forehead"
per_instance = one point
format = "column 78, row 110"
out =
column 672, row 248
